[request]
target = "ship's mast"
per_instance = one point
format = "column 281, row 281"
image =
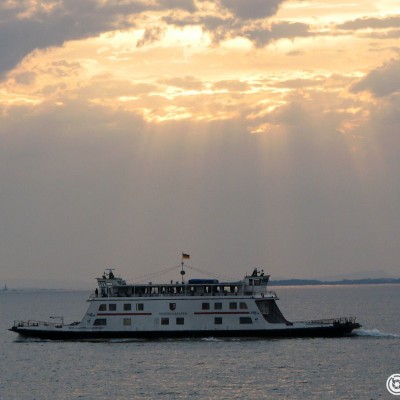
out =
column 183, row 272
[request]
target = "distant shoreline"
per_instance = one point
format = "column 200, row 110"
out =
column 316, row 282
column 272, row 282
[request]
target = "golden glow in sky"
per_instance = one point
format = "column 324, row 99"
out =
column 267, row 118
column 204, row 69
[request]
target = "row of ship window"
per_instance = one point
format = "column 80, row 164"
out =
column 204, row 306
column 218, row 306
column 127, row 307
column 166, row 321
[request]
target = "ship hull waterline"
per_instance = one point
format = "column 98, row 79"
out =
column 309, row 332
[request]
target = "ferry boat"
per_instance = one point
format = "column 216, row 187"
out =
column 193, row 309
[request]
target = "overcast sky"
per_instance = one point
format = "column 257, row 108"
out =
column 245, row 133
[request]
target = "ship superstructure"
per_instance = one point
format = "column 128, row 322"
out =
column 196, row 308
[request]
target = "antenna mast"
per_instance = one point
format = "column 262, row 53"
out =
column 183, row 272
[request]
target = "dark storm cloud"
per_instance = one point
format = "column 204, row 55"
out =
column 279, row 30
column 150, row 35
column 257, row 32
column 373, row 23
column 382, row 81
column 67, row 20
column 252, row 9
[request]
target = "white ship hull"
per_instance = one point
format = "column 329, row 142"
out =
column 189, row 317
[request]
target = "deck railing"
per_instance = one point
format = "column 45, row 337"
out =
column 330, row 321
column 31, row 323
column 183, row 294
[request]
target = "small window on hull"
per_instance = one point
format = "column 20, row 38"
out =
column 100, row 322
column 127, row 321
column 102, row 307
column 218, row 321
column 127, row 307
column 245, row 320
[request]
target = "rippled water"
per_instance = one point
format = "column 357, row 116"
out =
column 347, row 368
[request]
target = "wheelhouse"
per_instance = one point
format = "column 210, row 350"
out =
column 255, row 284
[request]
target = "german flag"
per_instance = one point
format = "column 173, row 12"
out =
column 185, row 256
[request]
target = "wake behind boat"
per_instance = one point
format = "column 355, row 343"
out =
column 192, row 309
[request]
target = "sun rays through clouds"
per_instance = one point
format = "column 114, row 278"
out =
column 300, row 97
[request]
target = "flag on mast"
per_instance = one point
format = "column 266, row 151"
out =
column 185, row 256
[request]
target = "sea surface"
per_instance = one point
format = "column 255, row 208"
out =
column 354, row 367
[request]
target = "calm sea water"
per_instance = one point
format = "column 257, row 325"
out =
column 347, row 368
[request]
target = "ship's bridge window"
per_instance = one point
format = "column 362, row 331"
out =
column 102, row 307
column 233, row 306
column 112, row 307
column 100, row 322
column 218, row 306
column 205, row 306
column 139, row 307
column 127, row 307
column 138, row 290
column 230, row 289
column 245, row 320
column 243, row 305
column 122, row 292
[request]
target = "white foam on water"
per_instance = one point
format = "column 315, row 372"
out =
column 210, row 339
column 374, row 333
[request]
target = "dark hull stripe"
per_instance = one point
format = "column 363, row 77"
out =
column 221, row 312
column 329, row 331
column 115, row 314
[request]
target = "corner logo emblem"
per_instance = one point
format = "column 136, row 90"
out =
column 393, row 384
column 172, row 306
